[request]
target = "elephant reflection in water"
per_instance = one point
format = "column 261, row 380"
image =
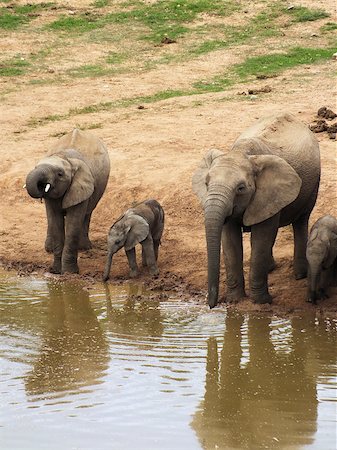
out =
column 74, row 351
column 269, row 402
column 139, row 317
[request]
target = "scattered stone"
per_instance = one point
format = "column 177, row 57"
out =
column 332, row 135
column 264, row 77
column 332, row 128
column 167, row 40
column 141, row 107
column 326, row 113
column 318, row 126
column 334, row 56
column 261, row 90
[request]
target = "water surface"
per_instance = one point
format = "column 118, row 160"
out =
column 115, row 368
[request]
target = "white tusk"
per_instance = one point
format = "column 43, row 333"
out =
column 23, row 187
column 46, row 189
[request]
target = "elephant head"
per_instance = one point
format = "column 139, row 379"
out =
column 321, row 254
column 126, row 232
column 241, row 186
column 57, row 176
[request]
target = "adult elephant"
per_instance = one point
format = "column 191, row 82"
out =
column 268, row 179
column 71, row 179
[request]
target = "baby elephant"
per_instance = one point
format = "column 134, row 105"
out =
column 144, row 223
column 322, row 257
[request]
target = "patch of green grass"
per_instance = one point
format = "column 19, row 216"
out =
column 32, row 8
column 115, row 58
column 100, row 3
column 329, row 26
column 259, row 27
column 169, row 17
column 304, row 14
column 277, row 62
column 89, row 70
column 14, row 67
column 217, row 84
column 9, row 21
column 20, row 14
column 76, row 24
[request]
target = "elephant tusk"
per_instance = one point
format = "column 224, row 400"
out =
column 24, row 186
column 46, row 189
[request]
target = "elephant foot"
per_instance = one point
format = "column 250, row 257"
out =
column 234, row 295
column 133, row 273
column 261, row 299
column 53, row 269
column 70, row 269
column 154, row 271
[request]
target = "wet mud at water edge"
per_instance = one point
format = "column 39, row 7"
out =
column 118, row 367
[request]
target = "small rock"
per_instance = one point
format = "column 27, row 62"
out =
column 332, row 128
column 332, row 135
column 167, row 40
column 140, row 107
column 334, row 56
column 259, row 90
column 326, row 113
column 319, row 126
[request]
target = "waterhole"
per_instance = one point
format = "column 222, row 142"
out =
column 118, row 368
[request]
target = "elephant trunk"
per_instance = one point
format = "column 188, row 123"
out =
column 313, row 283
column 108, row 265
column 38, row 182
column 216, row 211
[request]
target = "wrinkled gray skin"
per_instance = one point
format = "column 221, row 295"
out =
column 142, row 224
column 322, row 257
column 71, row 180
column 268, row 179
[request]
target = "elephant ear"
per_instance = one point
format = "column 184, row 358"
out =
column 277, row 185
column 82, row 184
column 139, row 230
column 332, row 252
column 199, row 179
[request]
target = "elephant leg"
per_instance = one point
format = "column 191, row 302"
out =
column 55, row 233
column 263, row 236
column 131, row 255
column 151, row 261
column 74, row 220
column 156, row 243
column 144, row 263
column 300, row 229
column 85, row 243
column 233, row 254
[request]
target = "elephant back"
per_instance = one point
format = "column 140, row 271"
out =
column 90, row 147
column 285, row 136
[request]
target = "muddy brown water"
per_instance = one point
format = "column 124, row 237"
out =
column 114, row 367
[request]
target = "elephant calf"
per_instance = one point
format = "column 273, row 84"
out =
column 71, row 180
column 322, row 257
column 142, row 224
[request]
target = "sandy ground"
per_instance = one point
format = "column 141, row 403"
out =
column 154, row 152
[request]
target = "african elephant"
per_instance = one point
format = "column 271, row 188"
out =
column 71, row 180
column 322, row 257
column 142, row 224
column 268, row 179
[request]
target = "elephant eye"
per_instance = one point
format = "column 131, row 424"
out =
column 60, row 174
column 241, row 188
column 117, row 242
